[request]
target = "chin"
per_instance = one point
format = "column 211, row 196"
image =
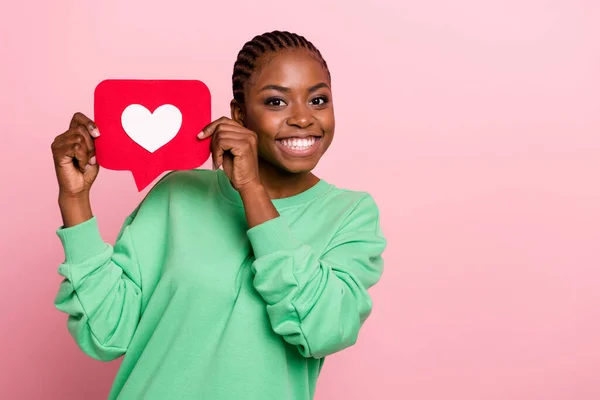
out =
column 298, row 169
column 297, row 166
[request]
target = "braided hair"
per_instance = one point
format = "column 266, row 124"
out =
column 267, row 43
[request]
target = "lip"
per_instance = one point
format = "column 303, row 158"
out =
column 300, row 153
column 300, row 136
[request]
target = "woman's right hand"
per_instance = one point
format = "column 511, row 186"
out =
column 74, row 157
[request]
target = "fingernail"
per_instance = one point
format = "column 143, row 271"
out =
column 201, row 135
column 93, row 160
column 95, row 133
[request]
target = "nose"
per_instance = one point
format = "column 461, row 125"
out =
column 300, row 116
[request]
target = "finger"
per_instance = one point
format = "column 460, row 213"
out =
column 78, row 135
column 72, row 153
column 216, row 153
column 82, row 132
column 75, row 137
column 61, row 139
column 228, row 165
column 247, row 139
column 58, row 141
column 81, row 119
column 233, row 131
column 81, row 155
column 211, row 128
column 218, row 149
column 66, row 138
column 237, row 147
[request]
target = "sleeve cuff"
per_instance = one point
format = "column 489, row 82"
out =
column 272, row 236
column 82, row 241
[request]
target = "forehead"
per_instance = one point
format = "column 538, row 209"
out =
column 293, row 68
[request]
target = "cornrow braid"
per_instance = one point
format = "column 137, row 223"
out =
column 269, row 42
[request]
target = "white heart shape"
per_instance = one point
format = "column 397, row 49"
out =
column 151, row 130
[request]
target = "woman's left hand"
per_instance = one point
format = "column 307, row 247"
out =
column 235, row 148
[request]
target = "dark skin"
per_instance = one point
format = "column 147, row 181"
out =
column 288, row 96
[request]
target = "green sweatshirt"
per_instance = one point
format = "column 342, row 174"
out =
column 204, row 308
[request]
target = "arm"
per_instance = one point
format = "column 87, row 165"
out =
column 316, row 302
column 101, row 291
column 319, row 302
column 74, row 209
column 257, row 205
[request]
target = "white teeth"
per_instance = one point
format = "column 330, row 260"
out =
column 299, row 143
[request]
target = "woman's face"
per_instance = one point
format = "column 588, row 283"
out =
column 289, row 106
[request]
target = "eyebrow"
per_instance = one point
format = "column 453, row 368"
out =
column 287, row 90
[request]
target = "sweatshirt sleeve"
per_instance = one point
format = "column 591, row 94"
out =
column 318, row 302
column 101, row 291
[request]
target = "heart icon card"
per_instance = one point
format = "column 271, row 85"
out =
column 151, row 126
column 151, row 130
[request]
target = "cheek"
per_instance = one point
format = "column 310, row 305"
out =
column 264, row 123
column 269, row 125
column 328, row 122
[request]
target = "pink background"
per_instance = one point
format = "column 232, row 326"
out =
column 474, row 124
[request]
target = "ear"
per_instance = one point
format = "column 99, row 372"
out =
column 237, row 112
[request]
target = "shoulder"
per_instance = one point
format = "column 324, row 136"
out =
column 351, row 207
column 356, row 218
column 351, row 200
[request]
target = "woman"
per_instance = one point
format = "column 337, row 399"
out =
column 233, row 283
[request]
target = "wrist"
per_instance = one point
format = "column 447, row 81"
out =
column 257, row 205
column 73, row 198
column 252, row 189
column 74, row 209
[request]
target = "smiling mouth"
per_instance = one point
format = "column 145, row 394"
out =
column 299, row 146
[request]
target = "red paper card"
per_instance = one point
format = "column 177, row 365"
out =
column 151, row 126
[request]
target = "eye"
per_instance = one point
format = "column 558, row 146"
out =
column 274, row 102
column 319, row 101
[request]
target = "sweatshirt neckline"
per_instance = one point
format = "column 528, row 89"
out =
column 311, row 193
